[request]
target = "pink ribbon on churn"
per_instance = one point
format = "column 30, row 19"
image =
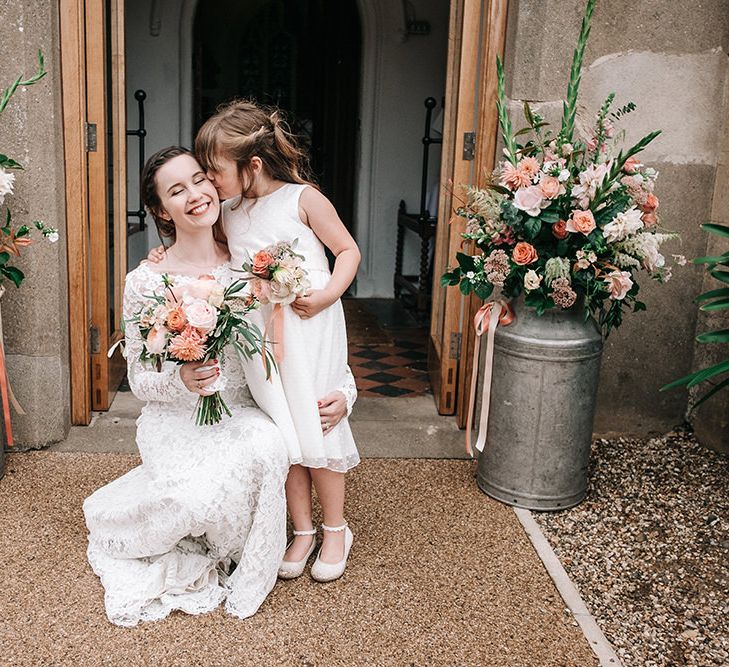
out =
column 488, row 317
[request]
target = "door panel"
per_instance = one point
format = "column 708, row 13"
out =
column 477, row 34
column 459, row 118
column 106, row 192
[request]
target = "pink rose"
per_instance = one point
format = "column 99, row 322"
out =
column 649, row 219
column 262, row 260
column 200, row 288
column 524, row 253
column 551, row 187
column 529, row 200
column 156, row 340
column 618, row 284
column 201, row 315
column 581, row 221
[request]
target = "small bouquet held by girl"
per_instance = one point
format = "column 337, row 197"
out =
column 195, row 322
column 277, row 275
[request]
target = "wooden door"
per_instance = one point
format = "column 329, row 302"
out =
column 476, row 35
column 92, row 48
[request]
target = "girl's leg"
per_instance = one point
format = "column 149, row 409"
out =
column 298, row 498
column 330, row 490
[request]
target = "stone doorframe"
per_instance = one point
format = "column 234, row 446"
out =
column 371, row 13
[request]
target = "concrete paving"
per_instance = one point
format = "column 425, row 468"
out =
column 404, row 427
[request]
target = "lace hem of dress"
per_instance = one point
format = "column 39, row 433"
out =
column 335, row 465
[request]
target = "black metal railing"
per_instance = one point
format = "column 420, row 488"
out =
column 140, row 133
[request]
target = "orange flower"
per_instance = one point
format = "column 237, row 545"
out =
column 12, row 244
column 649, row 219
column 581, row 221
column 559, row 229
column 529, row 166
column 524, row 253
column 514, row 178
column 651, row 203
column 189, row 345
column 176, row 319
column 262, row 260
column 550, row 187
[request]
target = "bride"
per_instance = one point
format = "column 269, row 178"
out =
column 203, row 519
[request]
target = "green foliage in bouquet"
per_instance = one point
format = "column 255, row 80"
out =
column 711, row 301
column 13, row 240
column 565, row 216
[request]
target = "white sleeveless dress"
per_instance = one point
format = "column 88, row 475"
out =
column 315, row 349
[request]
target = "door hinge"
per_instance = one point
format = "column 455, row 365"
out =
column 95, row 339
column 90, row 137
column 469, row 145
column 455, row 348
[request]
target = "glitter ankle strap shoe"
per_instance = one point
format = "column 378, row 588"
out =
column 292, row 569
column 324, row 572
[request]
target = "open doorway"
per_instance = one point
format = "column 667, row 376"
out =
column 303, row 57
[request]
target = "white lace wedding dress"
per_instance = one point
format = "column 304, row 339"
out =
column 202, row 519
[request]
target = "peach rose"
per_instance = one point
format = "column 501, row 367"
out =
column 551, row 187
column 559, row 229
column 262, row 260
column 581, row 221
column 649, row 219
column 156, row 340
column 524, row 253
column 631, row 165
column 650, row 204
column 618, row 284
column 176, row 319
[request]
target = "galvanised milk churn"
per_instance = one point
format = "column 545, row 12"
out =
column 543, row 394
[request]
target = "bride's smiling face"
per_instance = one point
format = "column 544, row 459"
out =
column 187, row 196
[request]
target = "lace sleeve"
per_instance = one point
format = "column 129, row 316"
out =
column 146, row 382
column 349, row 389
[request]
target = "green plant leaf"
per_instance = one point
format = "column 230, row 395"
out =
column 465, row 262
column 719, row 230
column 720, row 336
column 484, row 290
column 711, row 392
column 721, row 304
column 15, row 274
column 465, row 287
column 723, row 276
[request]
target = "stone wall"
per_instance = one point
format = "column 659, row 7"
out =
column 35, row 317
column 670, row 59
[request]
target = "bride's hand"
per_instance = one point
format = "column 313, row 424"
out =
column 332, row 409
column 196, row 375
column 156, row 255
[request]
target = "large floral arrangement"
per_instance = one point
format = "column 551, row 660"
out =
column 12, row 239
column 565, row 216
column 196, row 321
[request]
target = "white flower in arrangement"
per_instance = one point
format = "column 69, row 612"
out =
column 52, row 237
column 7, row 179
column 679, row 259
column 590, row 180
column 623, row 225
column 556, row 267
column 649, row 250
column 532, row 280
column 470, row 275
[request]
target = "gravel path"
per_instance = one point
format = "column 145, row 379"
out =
column 439, row 575
column 649, row 549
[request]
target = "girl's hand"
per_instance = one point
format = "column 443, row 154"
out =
column 156, row 255
column 196, row 375
column 332, row 409
column 312, row 303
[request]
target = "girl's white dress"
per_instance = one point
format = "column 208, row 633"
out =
column 315, row 349
column 203, row 519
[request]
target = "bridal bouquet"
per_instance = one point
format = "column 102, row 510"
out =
column 565, row 215
column 195, row 322
column 276, row 274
